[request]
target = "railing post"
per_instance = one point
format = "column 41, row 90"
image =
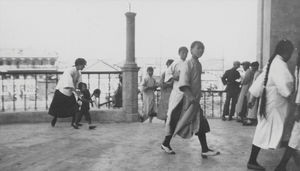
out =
column 35, row 94
column 13, row 93
column 46, row 94
column 24, row 93
column 212, row 105
column 2, row 95
column 100, row 90
column 109, row 90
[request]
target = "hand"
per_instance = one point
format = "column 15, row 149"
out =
column 191, row 99
column 250, row 105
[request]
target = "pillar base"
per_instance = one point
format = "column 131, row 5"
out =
column 134, row 117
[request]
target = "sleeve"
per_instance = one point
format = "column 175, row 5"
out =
column 162, row 79
column 257, row 86
column 185, row 75
column 169, row 72
column 247, row 78
column 144, row 84
column 283, row 79
column 224, row 78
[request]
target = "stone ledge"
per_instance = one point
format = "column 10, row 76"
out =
column 103, row 116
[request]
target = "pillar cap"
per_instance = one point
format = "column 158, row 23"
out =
column 130, row 14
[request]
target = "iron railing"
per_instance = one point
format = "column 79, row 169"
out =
column 34, row 90
column 212, row 102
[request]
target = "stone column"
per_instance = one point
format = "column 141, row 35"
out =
column 130, row 72
column 279, row 19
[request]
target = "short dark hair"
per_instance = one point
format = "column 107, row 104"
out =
column 97, row 91
column 80, row 61
column 169, row 61
column 255, row 64
column 81, row 84
column 183, row 48
column 150, row 69
column 197, row 43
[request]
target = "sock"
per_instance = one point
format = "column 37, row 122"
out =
column 203, row 142
column 254, row 153
column 167, row 141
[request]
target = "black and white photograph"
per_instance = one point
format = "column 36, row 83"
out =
column 149, row 85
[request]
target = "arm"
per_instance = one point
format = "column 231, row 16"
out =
column 247, row 78
column 224, row 78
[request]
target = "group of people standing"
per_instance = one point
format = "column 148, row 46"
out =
column 237, row 92
column 270, row 97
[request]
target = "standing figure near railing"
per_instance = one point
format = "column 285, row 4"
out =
column 64, row 102
column 229, row 79
column 165, row 91
column 149, row 85
column 187, row 117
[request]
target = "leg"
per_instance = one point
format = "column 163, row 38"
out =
column 252, row 163
column 226, row 105
column 53, row 122
column 285, row 159
column 74, row 120
column 87, row 116
column 234, row 98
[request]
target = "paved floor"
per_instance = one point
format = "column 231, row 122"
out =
column 134, row 146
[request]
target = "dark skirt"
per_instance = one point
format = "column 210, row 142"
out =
column 63, row 106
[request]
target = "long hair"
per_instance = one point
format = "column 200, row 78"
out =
column 282, row 48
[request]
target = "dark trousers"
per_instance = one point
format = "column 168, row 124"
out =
column 243, row 113
column 86, row 114
column 231, row 96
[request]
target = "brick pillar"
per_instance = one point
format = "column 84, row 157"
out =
column 130, row 72
column 279, row 19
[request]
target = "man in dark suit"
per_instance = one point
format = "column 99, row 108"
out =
column 232, row 89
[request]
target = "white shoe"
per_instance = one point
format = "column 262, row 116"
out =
column 167, row 149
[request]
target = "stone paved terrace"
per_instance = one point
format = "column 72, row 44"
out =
column 124, row 146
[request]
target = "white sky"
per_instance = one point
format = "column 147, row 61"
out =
column 96, row 28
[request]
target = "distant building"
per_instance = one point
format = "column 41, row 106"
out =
column 27, row 60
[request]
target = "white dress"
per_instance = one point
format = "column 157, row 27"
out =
column 295, row 136
column 269, row 130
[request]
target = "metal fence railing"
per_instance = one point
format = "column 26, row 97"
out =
column 28, row 90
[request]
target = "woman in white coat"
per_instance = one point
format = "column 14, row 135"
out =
column 274, row 87
column 294, row 142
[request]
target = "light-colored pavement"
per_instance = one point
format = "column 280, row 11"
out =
column 125, row 146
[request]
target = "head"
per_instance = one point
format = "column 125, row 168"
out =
column 285, row 49
column 197, row 49
column 80, row 63
column 82, row 86
column 183, row 51
column 254, row 66
column 150, row 71
column 246, row 65
column 97, row 93
column 236, row 64
column 169, row 62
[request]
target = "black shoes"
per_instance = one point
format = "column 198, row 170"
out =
column 92, row 127
column 167, row 149
column 79, row 124
column 255, row 167
column 223, row 118
column 74, row 126
column 53, row 122
column 210, row 153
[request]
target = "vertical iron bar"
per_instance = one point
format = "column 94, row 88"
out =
column 2, row 96
column 35, row 93
column 212, row 107
column 24, row 93
column 99, row 89
column 204, row 102
column 221, row 102
column 109, row 89
column 89, row 82
column 14, row 87
column 46, row 94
